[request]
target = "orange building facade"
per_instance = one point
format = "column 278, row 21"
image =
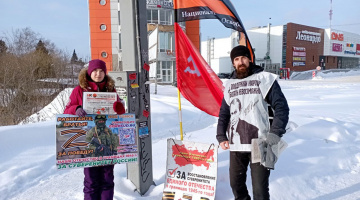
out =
column 105, row 33
column 100, row 32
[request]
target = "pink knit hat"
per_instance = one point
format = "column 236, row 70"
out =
column 96, row 64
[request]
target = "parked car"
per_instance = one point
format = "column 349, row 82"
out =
column 224, row 75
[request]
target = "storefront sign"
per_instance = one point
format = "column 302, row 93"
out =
column 298, row 64
column 301, row 54
column 299, row 49
column 299, row 58
column 350, row 52
column 337, row 47
column 337, row 36
column 357, row 49
column 349, row 45
column 312, row 37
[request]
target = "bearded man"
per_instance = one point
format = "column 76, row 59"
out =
column 253, row 89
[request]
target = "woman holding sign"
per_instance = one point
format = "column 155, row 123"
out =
column 98, row 181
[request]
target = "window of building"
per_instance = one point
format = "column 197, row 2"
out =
column 102, row 2
column 103, row 27
column 333, row 59
column 158, row 69
column 120, row 41
column 166, row 41
column 119, row 17
column 162, row 16
column 165, row 71
column 153, row 16
column 166, row 17
column 104, row 54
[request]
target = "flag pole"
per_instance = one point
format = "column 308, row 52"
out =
column 180, row 116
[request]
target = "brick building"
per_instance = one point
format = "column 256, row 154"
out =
column 293, row 46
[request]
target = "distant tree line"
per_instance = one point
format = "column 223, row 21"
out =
column 32, row 69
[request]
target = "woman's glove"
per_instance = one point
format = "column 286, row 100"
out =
column 119, row 108
column 80, row 112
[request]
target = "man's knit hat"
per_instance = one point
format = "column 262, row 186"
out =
column 239, row 51
column 96, row 64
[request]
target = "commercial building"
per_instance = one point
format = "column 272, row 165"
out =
column 341, row 50
column 292, row 46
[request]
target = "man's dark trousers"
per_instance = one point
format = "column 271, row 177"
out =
column 239, row 162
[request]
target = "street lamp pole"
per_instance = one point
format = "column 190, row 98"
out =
column 268, row 40
column 267, row 56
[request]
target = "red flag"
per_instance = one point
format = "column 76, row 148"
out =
column 196, row 80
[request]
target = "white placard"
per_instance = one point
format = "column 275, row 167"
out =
column 99, row 102
column 191, row 170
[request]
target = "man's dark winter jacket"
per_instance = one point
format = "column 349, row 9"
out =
column 274, row 97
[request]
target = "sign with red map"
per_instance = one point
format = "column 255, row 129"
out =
column 191, row 170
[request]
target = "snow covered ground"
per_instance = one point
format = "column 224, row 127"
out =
column 322, row 160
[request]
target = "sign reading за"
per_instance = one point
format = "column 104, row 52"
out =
column 191, row 170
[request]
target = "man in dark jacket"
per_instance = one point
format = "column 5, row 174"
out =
column 254, row 90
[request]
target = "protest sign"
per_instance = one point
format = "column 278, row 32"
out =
column 95, row 140
column 265, row 154
column 191, row 170
column 99, row 102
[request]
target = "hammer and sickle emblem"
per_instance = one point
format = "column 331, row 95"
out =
column 195, row 71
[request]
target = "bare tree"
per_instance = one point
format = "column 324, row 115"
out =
column 32, row 71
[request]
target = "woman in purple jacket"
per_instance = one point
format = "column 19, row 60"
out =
column 98, row 181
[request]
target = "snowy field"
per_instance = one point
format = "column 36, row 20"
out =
column 322, row 161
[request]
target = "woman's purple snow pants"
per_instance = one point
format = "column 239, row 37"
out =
column 99, row 183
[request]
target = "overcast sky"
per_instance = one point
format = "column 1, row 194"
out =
column 65, row 22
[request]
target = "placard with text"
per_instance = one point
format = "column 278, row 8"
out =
column 99, row 102
column 191, row 170
column 95, row 140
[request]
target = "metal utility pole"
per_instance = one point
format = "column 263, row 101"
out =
column 267, row 55
column 135, row 63
column 330, row 13
column 268, row 42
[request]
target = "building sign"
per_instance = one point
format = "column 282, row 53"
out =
column 299, row 58
column 301, row 54
column 168, row 4
column 349, row 45
column 310, row 36
column 299, row 49
column 337, row 36
column 357, row 49
column 298, row 64
column 349, row 52
column 337, row 47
